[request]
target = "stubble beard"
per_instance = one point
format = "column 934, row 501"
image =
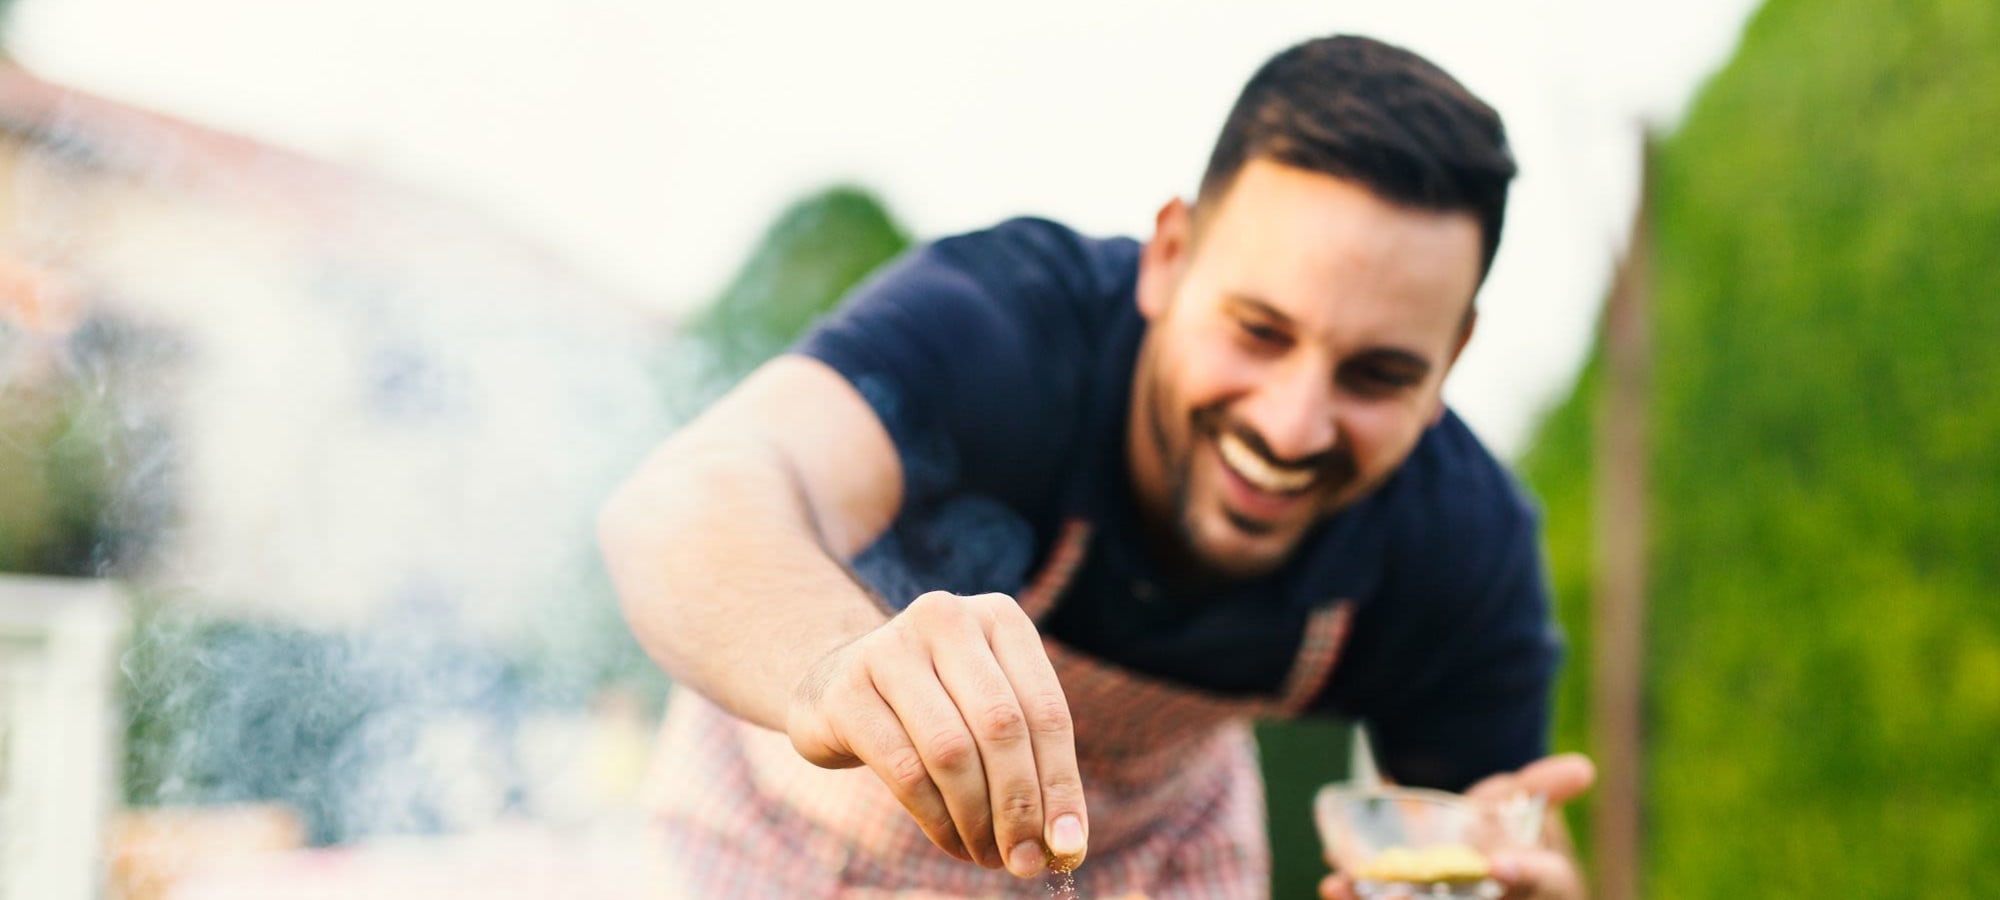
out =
column 1177, row 466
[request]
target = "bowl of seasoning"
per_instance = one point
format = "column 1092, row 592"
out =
column 1397, row 842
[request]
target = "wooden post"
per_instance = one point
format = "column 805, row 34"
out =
column 1619, row 666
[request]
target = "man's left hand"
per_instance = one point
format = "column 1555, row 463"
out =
column 1544, row 872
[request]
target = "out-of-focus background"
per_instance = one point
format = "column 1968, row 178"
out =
column 324, row 327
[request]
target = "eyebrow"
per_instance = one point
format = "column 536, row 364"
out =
column 1393, row 355
column 1259, row 307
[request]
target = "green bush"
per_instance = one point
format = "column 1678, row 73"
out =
column 1823, row 650
column 820, row 247
column 86, row 467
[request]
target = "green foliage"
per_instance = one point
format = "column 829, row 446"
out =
column 1824, row 649
column 1298, row 756
column 817, row 250
column 1560, row 468
column 78, row 422
column 52, row 480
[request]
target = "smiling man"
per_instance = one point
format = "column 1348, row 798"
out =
column 996, row 567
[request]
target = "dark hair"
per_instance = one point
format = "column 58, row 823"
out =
column 1380, row 115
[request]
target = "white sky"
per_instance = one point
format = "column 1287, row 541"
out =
column 652, row 142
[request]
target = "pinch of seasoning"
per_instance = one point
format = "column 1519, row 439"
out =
column 1063, row 864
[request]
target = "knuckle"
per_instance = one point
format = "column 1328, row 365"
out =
column 932, row 603
column 1063, row 792
column 1049, row 714
column 1020, row 808
column 953, row 750
column 933, row 613
column 1003, row 723
column 907, row 774
column 1001, row 607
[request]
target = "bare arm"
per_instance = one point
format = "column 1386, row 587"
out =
column 724, row 544
column 726, row 549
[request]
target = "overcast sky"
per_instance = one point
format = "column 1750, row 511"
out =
column 651, row 142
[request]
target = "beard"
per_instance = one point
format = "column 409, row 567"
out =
column 1335, row 471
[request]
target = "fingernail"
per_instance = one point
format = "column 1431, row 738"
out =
column 1025, row 860
column 1066, row 837
column 1506, row 869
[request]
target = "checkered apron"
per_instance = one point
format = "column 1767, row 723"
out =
column 1170, row 775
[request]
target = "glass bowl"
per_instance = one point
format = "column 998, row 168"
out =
column 1414, row 843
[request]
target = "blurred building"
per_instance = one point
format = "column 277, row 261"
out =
column 331, row 393
column 280, row 392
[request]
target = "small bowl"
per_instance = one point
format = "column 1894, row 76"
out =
column 1410, row 842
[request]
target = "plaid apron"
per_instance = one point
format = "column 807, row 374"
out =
column 1170, row 775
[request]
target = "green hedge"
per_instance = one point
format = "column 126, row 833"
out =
column 1824, row 645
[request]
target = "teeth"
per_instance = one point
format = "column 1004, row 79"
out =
column 1262, row 475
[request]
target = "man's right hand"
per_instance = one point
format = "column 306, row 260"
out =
column 954, row 705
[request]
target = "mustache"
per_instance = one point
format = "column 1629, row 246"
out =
column 1334, row 465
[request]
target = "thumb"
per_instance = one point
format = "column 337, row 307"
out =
column 1532, row 874
column 1559, row 778
column 1335, row 887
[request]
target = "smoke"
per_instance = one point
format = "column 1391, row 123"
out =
column 343, row 443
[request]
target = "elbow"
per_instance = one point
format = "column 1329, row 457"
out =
column 634, row 542
column 617, row 538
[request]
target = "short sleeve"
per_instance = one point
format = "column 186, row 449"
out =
column 973, row 352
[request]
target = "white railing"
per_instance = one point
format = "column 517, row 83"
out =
column 59, row 733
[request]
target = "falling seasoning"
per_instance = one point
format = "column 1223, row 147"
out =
column 1062, row 881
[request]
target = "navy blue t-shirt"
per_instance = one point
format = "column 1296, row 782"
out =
column 1001, row 364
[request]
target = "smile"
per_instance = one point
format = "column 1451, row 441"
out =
column 1260, row 473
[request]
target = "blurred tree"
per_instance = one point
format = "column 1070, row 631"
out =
column 79, row 421
column 1824, row 649
column 818, row 249
column 51, row 480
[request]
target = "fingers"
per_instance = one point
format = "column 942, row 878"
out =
column 1537, row 875
column 1335, row 887
column 1011, row 795
column 1560, row 778
column 936, row 726
column 880, row 739
column 955, row 706
column 1062, row 823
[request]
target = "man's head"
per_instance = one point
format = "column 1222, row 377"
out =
column 1303, row 314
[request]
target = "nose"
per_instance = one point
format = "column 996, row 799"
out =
column 1293, row 411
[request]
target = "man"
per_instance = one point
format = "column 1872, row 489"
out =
column 1005, row 555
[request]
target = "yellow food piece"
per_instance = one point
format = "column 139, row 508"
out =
column 1443, row 862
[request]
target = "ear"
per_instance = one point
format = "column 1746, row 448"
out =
column 1464, row 336
column 1457, row 347
column 1164, row 259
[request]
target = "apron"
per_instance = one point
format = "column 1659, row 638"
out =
column 1174, row 793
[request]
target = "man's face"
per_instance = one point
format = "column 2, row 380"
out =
column 1297, row 345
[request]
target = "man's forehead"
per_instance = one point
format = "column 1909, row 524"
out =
column 1326, row 251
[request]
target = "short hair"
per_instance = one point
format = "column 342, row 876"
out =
column 1378, row 114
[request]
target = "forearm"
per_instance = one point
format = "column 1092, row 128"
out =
column 724, row 577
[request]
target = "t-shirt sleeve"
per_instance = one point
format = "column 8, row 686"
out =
column 970, row 352
column 1482, row 705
